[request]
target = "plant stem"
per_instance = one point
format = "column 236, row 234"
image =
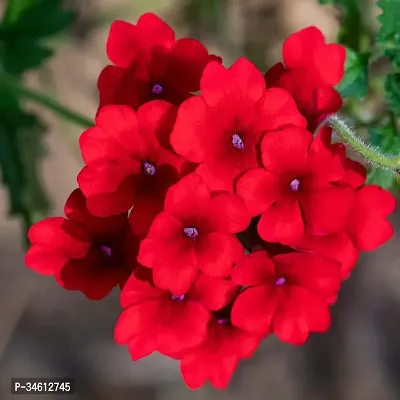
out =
column 51, row 104
column 369, row 153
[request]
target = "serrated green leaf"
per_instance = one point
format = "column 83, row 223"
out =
column 389, row 20
column 392, row 89
column 355, row 81
column 382, row 178
column 14, row 8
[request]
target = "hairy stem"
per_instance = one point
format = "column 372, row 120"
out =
column 370, row 153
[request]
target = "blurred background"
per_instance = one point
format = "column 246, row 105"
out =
column 49, row 332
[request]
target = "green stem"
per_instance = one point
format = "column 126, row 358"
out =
column 369, row 153
column 50, row 103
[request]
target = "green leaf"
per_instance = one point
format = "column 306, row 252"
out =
column 36, row 19
column 392, row 89
column 355, row 81
column 388, row 140
column 389, row 20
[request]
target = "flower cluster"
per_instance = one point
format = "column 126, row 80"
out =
column 221, row 216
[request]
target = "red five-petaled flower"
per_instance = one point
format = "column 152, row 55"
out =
column 311, row 68
column 222, row 128
column 126, row 163
column 288, row 294
column 84, row 252
column 150, row 64
column 298, row 192
column 194, row 232
column 157, row 320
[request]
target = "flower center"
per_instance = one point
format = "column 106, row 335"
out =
column 149, row 169
column 176, row 297
column 280, row 281
column 191, row 233
column 237, row 142
column 106, row 250
column 295, row 185
column 223, row 321
column 157, row 89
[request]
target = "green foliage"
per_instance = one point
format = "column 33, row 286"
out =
column 25, row 26
column 392, row 88
column 355, row 81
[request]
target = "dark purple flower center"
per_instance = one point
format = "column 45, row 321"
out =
column 295, row 185
column 280, row 281
column 223, row 321
column 237, row 142
column 149, row 169
column 157, row 89
column 106, row 250
column 176, row 297
column 191, row 233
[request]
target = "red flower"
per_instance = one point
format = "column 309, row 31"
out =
column 84, row 252
column 217, row 358
column 288, row 294
column 195, row 231
column 222, row 128
column 150, row 64
column 126, row 163
column 367, row 225
column 311, row 68
column 298, row 192
column 157, row 320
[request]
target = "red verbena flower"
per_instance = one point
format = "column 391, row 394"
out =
column 222, row 128
column 217, row 358
column 311, row 68
column 158, row 320
column 83, row 252
column 288, row 294
column 298, row 189
column 150, row 64
column 194, row 232
column 127, row 164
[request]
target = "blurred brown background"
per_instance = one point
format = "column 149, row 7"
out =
column 48, row 332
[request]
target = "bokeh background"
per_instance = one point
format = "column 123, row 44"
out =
column 49, row 332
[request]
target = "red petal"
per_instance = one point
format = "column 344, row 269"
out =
column 195, row 130
column 254, row 309
column 337, row 247
column 109, row 82
column 255, row 269
column 121, row 43
column 278, row 109
column 356, row 173
column 290, row 322
column 259, row 189
column 329, row 61
column 317, row 273
column 137, row 319
column 59, row 233
column 156, row 120
column 189, row 194
column 154, row 31
column 321, row 211
column 136, row 291
column 213, row 254
column 273, row 75
column 229, row 213
column 181, row 326
column 298, row 48
column 45, row 260
column 286, row 150
column 282, row 222
column 142, row 345
column 187, row 60
column 212, row 293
